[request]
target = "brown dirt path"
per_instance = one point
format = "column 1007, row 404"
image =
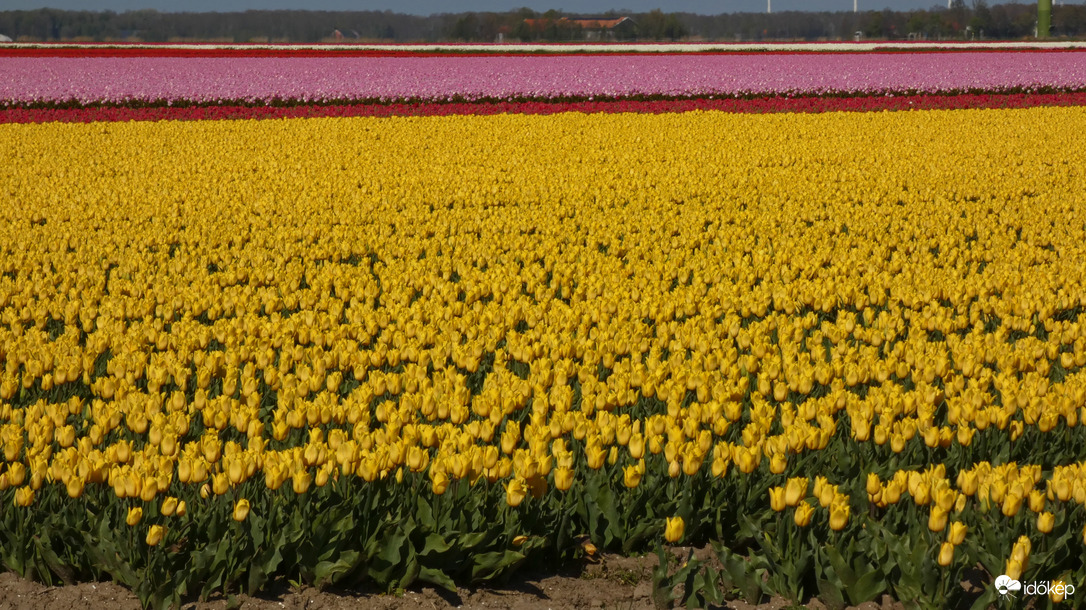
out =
column 615, row 582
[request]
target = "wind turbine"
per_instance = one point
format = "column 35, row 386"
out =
column 1044, row 18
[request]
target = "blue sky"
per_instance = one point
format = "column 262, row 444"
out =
column 426, row 7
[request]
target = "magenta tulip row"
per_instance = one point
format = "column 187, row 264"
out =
column 33, row 81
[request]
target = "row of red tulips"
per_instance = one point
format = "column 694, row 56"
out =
column 754, row 105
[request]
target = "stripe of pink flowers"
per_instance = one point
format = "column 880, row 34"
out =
column 144, row 52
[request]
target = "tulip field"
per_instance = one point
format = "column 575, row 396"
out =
column 456, row 338
column 122, row 80
column 174, row 77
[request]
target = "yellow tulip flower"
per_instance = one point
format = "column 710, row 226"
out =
column 946, row 554
column 155, row 535
column 241, row 510
column 24, row 496
column 776, row 499
column 674, row 528
column 1011, row 503
column 1045, row 521
column 75, row 487
column 795, row 490
column 1058, row 591
column 957, row 532
column 135, row 514
column 804, row 512
column 563, row 478
column 839, row 513
column 937, row 519
column 515, row 492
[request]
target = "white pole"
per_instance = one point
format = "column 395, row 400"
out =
column 768, row 6
column 855, row 6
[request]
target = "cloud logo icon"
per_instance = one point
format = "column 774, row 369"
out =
column 1005, row 585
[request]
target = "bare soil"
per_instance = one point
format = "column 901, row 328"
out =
column 611, row 582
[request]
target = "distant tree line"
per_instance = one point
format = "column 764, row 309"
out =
column 975, row 19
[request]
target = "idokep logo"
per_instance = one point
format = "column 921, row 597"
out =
column 1008, row 586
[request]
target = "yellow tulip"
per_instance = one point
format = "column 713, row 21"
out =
column 235, row 472
column 778, row 463
column 795, row 490
column 839, row 513
column 1063, row 489
column 776, row 499
column 937, row 519
column 439, row 482
column 1021, row 549
column 632, row 474
column 75, row 487
column 16, row 474
column 155, row 535
column 301, row 480
column 957, row 533
column 804, row 512
column 1011, row 503
column 1045, row 521
column 595, row 456
column 1036, row 500
column 515, row 491
column 241, row 510
column 135, row 514
column 873, row 483
column 169, row 506
column 220, row 484
column 149, row 490
column 892, row 493
column 967, row 482
column 674, row 469
column 1013, row 569
column 24, row 496
column 719, row 467
column 324, row 473
column 417, row 459
column 746, row 460
column 563, row 478
column 945, row 498
column 673, row 530
column 1058, row 591
column 946, row 554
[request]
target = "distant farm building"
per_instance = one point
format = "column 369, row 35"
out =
column 590, row 28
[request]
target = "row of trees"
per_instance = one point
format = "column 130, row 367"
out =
column 974, row 20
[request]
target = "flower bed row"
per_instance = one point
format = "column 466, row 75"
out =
column 36, row 82
column 847, row 348
column 573, row 47
column 282, row 51
column 752, row 105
